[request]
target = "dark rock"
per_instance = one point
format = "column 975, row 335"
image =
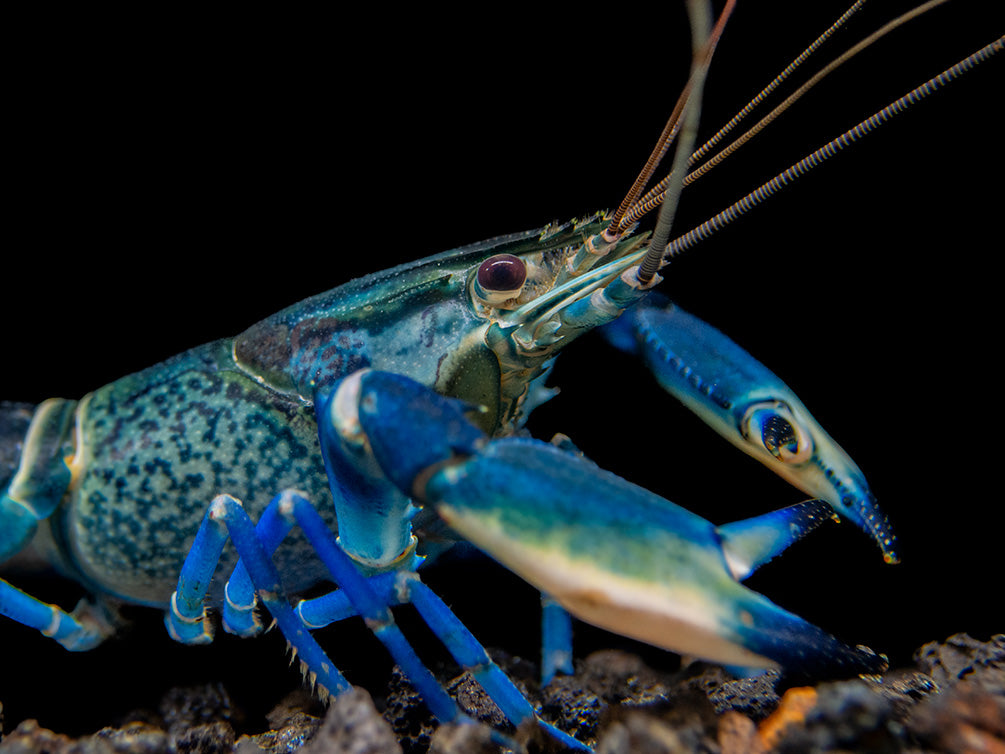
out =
column 962, row 657
column 292, row 723
column 848, row 715
column 473, row 700
column 692, row 716
column 137, row 738
column 183, row 709
column 684, row 720
column 289, row 735
column 640, row 733
column 464, row 739
column 206, row 738
column 965, row 718
column 408, row 715
column 755, row 697
column 577, row 703
column 902, row 688
column 571, row 707
column 298, row 705
column 737, row 734
column 353, row 726
column 30, row 738
column 954, row 701
column 617, row 676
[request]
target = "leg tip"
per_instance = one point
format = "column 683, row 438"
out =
column 187, row 630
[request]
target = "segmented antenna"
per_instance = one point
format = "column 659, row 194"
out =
column 629, row 211
column 829, row 149
column 701, row 39
column 706, row 43
column 655, row 195
column 667, row 192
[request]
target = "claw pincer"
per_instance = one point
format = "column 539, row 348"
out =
column 608, row 551
column 747, row 404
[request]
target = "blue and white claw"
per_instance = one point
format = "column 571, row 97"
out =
column 750, row 406
column 609, row 552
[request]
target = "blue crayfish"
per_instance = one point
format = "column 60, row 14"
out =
column 352, row 425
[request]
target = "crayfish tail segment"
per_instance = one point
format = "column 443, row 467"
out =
column 35, row 489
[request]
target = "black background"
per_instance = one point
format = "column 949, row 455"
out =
column 176, row 179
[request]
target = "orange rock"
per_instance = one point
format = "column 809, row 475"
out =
column 791, row 710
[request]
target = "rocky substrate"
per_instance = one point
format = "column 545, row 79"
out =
column 951, row 700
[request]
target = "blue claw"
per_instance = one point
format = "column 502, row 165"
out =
column 609, row 552
column 751, row 407
column 751, row 543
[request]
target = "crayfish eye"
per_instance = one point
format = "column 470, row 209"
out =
column 773, row 427
column 500, row 278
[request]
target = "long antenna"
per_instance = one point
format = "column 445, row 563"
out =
column 703, row 44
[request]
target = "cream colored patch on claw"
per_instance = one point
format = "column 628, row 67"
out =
column 681, row 620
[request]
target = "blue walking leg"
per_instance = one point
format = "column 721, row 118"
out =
column 335, row 606
column 239, row 603
column 405, row 588
column 556, row 640
column 227, row 516
column 370, row 605
column 32, row 494
column 470, row 654
column 186, row 619
column 83, row 629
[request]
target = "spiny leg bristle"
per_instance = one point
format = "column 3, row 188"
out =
column 318, row 690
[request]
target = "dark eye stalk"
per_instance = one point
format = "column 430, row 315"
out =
column 500, row 278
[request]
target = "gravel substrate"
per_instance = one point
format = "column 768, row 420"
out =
column 952, row 699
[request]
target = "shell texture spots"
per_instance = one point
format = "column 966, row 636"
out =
column 158, row 451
